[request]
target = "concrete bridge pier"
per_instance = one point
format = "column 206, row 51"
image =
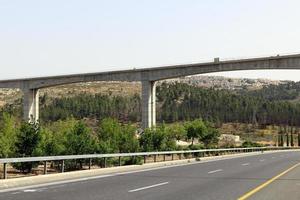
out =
column 31, row 104
column 148, row 104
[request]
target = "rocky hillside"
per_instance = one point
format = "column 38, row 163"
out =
column 220, row 82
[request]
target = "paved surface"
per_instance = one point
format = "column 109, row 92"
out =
column 223, row 179
column 286, row 187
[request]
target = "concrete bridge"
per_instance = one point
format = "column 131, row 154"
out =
column 148, row 77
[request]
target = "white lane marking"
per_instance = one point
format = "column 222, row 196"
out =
column 262, row 160
column 148, row 187
column 29, row 190
column 245, row 164
column 273, row 157
column 218, row 170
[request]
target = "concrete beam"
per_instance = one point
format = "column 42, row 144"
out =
column 160, row 73
column 275, row 62
column 44, row 82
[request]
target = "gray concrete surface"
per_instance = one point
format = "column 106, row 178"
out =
column 287, row 187
column 223, row 179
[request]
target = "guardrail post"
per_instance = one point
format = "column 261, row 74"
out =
column 164, row 157
column 62, row 166
column 145, row 158
column 180, row 156
column 4, row 170
column 172, row 156
column 119, row 160
column 154, row 158
column 45, row 167
column 90, row 163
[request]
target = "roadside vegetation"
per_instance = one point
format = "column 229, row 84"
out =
column 102, row 123
column 74, row 137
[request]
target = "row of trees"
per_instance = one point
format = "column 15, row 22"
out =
column 125, row 108
column 74, row 137
column 288, row 136
column 182, row 102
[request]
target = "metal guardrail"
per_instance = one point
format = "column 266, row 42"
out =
column 46, row 159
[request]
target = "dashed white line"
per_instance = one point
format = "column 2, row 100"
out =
column 262, row 160
column 245, row 164
column 218, row 170
column 31, row 190
column 273, row 157
column 148, row 187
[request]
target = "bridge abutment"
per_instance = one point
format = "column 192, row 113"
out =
column 148, row 104
column 31, row 105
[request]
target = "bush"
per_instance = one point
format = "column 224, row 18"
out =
column 196, row 147
column 248, row 144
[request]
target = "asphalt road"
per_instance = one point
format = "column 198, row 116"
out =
column 222, row 179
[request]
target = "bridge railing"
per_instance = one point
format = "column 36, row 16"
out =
column 194, row 153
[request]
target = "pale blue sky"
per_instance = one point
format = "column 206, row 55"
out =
column 42, row 38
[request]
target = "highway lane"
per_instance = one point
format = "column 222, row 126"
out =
column 222, row 179
column 284, row 187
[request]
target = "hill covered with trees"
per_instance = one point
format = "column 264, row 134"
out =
column 273, row 104
column 181, row 102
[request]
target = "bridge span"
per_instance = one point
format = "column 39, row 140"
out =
column 148, row 77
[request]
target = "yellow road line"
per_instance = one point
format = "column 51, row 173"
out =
column 250, row 193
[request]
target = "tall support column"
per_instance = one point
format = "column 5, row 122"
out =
column 148, row 104
column 31, row 104
column 153, row 104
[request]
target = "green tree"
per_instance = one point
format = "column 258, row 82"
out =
column 27, row 141
column 177, row 130
column 128, row 142
column 211, row 137
column 7, row 136
column 196, row 130
column 54, row 137
column 157, row 139
column 79, row 140
column 109, row 133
